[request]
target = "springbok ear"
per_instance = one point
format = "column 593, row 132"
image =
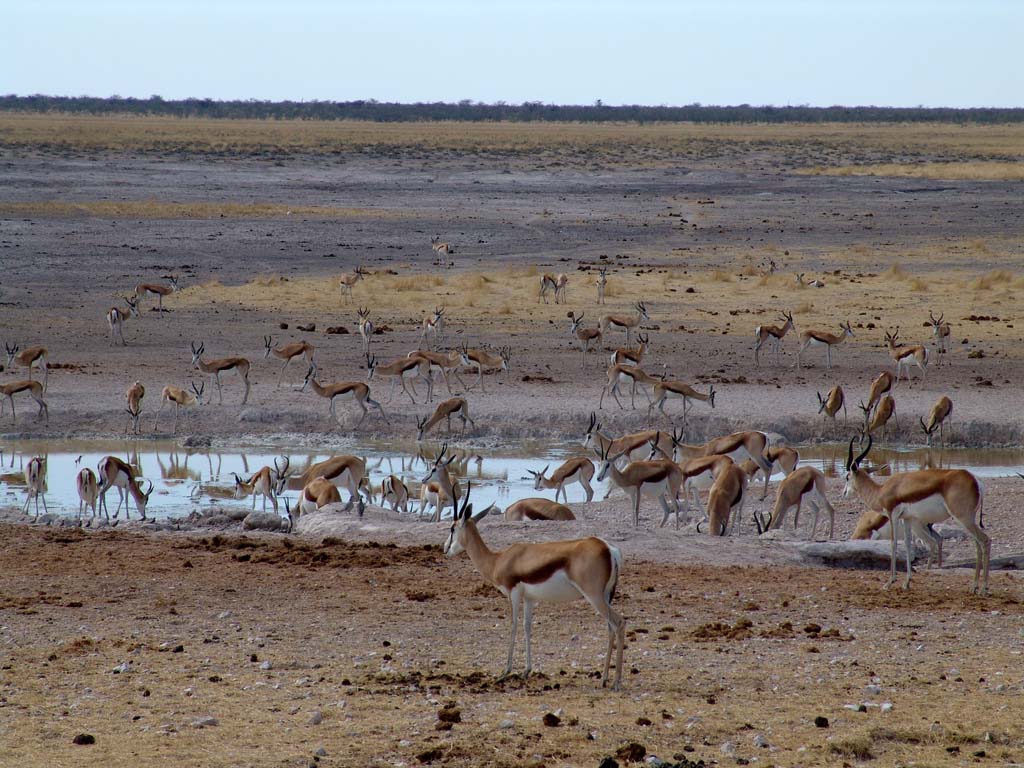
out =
column 483, row 513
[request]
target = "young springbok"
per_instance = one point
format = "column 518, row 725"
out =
column 579, row 470
column 88, row 492
column 134, row 397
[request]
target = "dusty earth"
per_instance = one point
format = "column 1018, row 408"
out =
column 732, row 644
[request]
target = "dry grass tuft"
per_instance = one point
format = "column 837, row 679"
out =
column 970, row 171
column 803, row 308
column 917, row 285
column 857, row 747
column 718, row 276
column 474, row 282
column 990, row 280
column 895, row 272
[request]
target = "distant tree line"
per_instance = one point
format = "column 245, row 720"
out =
column 530, row 111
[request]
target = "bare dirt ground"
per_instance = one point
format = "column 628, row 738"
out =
column 379, row 638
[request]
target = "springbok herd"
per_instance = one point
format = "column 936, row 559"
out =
column 650, row 463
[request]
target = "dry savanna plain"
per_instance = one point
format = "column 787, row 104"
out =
column 206, row 647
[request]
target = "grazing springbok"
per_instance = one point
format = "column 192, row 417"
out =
column 940, row 332
column 585, row 336
column 35, row 390
column 882, row 385
column 348, row 472
column 537, row 509
column 548, row 283
column 937, row 418
column 347, row 282
column 905, row 356
column 660, row 478
column 142, row 290
column 88, row 492
column 665, row 390
column 318, row 493
column 556, row 571
column 215, row 367
column 288, row 353
column 561, row 286
column 625, row 322
column 117, row 317
column 479, row 360
column 29, row 358
column 455, row 406
column 813, row 338
column 774, row 333
column 885, row 411
column 874, row 525
column 181, row 398
column 927, row 495
column 365, row 326
column 433, row 326
column 404, row 369
column 395, row 492
column 601, row 283
column 803, row 484
column 726, row 494
column 830, row 405
column 579, row 470
column 738, row 446
column 35, row 484
column 266, row 482
column 134, row 397
column 347, row 392
column 115, row 473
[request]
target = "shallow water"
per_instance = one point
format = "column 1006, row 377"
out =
column 196, row 478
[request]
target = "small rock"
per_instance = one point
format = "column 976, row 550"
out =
column 450, row 714
column 224, row 615
column 655, row 761
column 506, row 724
column 728, row 748
column 551, row 720
column 283, row 326
column 307, row 327
column 84, row 739
column 609, row 762
column 820, row 722
column 886, row 706
column 321, row 752
column 761, row 741
column 937, row 729
column 205, row 722
column 267, row 665
column 316, row 718
column 404, row 743
column 872, row 690
column 124, row 666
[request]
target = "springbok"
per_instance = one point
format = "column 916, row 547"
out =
column 348, row 472
column 625, row 322
column 905, row 356
column 537, row 509
column 579, row 470
column 29, row 358
column 601, row 283
column 134, row 397
column 181, row 398
column 831, row 404
column 774, row 333
column 806, row 483
column 288, row 353
column 116, row 318
column 114, row 473
column 35, row 390
column 347, row 281
column 881, row 385
column 584, row 335
column 627, row 356
column 88, row 492
column 726, row 494
column 365, row 326
column 885, row 411
column 556, row 571
column 35, row 482
column 442, row 363
column 433, row 326
column 940, row 332
column 479, row 359
column 394, row 491
column 442, row 249
column 927, row 495
column 142, row 290
column 215, row 367
column 403, row 369
column 937, row 418
column 347, row 391
column 659, row 478
column 665, row 390
column 266, row 482
column 813, row 338
column 455, row 406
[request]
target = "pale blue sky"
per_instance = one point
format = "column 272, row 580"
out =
column 820, row 52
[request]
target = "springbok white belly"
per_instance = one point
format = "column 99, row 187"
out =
column 557, row 589
column 928, row 511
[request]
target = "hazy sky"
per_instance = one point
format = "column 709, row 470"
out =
column 819, row 52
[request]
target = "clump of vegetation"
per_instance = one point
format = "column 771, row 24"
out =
column 895, row 272
column 990, row 280
column 719, row 276
column 857, row 747
column 917, row 285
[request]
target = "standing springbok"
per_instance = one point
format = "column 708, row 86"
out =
column 561, row 285
column 479, row 359
column 117, row 317
column 774, row 333
column 365, row 326
column 288, row 353
column 627, row 356
column 347, row 281
column 215, row 367
column 134, row 397
column 181, row 398
column 937, row 418
column 905, row 356
column 738, row 446
column 627, row 374
column 442, row 363
column 433, row 326
column 940, row 332
column 455, row 406
column 35, row 390
column 831, row 404
column 665, row 390
column 442, row 249
column 601, row 283
column 404, row 369
column 88, row 492
column 447, row 488
column 142, row 290
column 806, row 483
column 556, row 571
column 35, row 484
column 929, row 496
column 625, row 322
column 29, row 358
column 585, row 336
column 813, row 338
column 579, row 470
column 548, row 283
column 347, row 391
column 266, row 482
column 659, row 478
column 114, row 473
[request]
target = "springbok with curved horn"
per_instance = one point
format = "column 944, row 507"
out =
column 660, row 478
column 365, row 326
column 117, row 317
column 134, row 397
column 266, row 482
column 88, row 492
column 433, row 326
column 738, row 446
column 447, row 487
column 874, row 525
column 940, row 332
column 880, row 418
column 556, row 571
column 35, row 482
column 579, row 470
column 929, row 496
column 830, row 405
column 479, row 360
column 455, row 406
column 601, row 283
column 404, row 369
column 114, row 473
column 774, row 333
column 288, row 353
column 537, row 509
column 215, row 367
column 347, row 281
column 142, row 290
column 443, row 363
column 627, row 356
column 395, row 492
column 803, row 484
column 814, row 338
column 347, row 392
column 181, row 398
column 905, row 356
column 625, row 322
column 29, row 358
column 585, row 336
column 937, row 417
column 35, row 390
column 561, row 286
column 348, row 472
